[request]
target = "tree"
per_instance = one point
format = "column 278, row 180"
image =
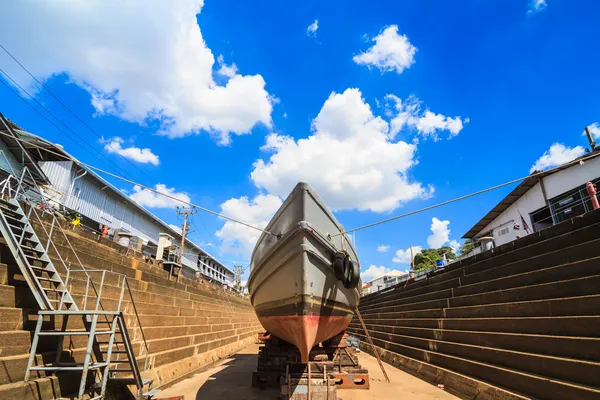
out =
column 427, row 258
column 466, row 248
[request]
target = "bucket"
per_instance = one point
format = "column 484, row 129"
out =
column 124, row 238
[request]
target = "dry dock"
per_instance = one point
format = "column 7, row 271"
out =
column 231, row 380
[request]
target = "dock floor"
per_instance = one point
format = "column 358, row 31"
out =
column 231, row 378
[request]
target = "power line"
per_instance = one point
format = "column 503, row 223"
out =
column 91, row 152
column 72, row 113
column 463, row 197
column 576, row 161
column 138, row 184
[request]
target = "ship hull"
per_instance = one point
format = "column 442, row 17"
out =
column 292, row 283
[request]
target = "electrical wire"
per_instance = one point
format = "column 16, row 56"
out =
column 71, row 111
column 463, row 197
column 92, row 152
column 248, row 225
column 139, row 184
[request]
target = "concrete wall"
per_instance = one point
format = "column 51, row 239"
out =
column 568, row 179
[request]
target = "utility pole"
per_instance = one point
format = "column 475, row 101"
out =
column 238, row 276
column 185, row 212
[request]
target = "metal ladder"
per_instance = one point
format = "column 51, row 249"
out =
column 107, row 336
column 56, row 302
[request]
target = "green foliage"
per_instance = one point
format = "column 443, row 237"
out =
column 466, row 247
column 427, row 257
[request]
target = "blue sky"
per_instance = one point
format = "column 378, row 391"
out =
column 384, row 107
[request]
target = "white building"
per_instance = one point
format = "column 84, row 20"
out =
column 80, row 189
column 539, row 202
column 384, row 281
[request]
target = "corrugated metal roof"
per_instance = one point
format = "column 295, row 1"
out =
column 117, row 192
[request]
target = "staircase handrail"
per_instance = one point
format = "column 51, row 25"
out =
column 124, row 283
column 21, row 189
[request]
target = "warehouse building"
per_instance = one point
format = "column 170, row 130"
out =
column 78, row 188
column 540, row 201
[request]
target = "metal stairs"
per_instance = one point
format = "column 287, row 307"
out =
column 32, row 258
column 109, row 353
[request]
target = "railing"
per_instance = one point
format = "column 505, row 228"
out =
column 21, row 190
column 123, row 284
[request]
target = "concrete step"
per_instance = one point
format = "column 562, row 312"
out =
column 169, row 331
column 385, row 305
column 567, row 369
column 473, row 274
column 150, row 279
column 14, row 342
column 524, row 383
column 430, row 313
column 78, row 286
column 166, row 374
column 120, row 261
column 573, row 254
column 13, row 367
column 582, row 326
column 570, row 306
column 516, row 252
column 42, row 388
column 588, row 285
column 442, row 302
column 558, row 230
column 132, row 267
column 12, row 318
column 559, row 346
column 564, row 242
column 434, row 283
column 587, row 267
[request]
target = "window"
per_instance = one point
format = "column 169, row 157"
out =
column 541, row 219
column 503, row 231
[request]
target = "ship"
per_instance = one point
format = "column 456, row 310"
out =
column 304, row 273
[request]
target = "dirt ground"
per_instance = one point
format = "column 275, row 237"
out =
column 231, row 380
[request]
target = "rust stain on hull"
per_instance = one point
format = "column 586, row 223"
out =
column 305, row 331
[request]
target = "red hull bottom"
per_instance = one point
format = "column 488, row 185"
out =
column 305, row 331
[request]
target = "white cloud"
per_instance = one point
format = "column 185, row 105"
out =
column 349, row 159
column 226, row 70
column 240, row 239
column 312, row 28
column 455, row 246
column 149, row 199
column 403, row 256
column 440, row 234
column 536, row 6
column 409, row 114
column 594, row 130
column 390, row 52
column 144, row 156
column 557, row 155
column 373, row 272
column 382, row 248
column 149, row 64
column 175, row 228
